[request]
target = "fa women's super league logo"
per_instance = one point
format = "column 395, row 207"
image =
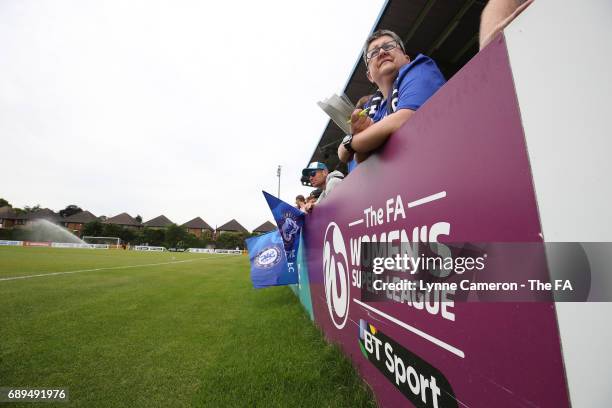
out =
column 336, row 275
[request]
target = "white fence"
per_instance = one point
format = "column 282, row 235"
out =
column 135, row 248
column 215, row 251
column 84, row 246
column 149, row 248
column 11, row 243
column 201, row 250
column 55, row 244
column 228, row 251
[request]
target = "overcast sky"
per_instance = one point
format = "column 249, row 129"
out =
column 182, row 108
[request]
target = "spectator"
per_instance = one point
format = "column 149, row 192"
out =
column 322, row 179
column 300, row 202
column 408, row 85
column 314, row 196
column 496, row 15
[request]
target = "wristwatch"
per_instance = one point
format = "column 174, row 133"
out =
column 346, row 142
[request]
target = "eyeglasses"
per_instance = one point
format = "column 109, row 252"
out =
column 388, row 46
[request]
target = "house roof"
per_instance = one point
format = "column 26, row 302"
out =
column 7, row 213
column 161, row 221
column 44, row 213
column 233, row 226
column 197, row 223
column 122, row 219
column 265, row 227
column 82, row 217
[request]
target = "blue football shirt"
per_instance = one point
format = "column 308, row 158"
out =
column 416, row 82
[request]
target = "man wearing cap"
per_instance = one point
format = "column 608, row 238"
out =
column 322, row 179
column 403, row 86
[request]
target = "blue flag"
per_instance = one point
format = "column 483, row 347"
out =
column 289, row 221
column 268, row 261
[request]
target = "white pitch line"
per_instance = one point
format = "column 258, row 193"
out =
column 427, row 199
column 414, row 330
column 352, row 224
column 101, row 269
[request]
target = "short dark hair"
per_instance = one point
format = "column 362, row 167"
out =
column 377, row 34
column 300, row 198
column 316, row 193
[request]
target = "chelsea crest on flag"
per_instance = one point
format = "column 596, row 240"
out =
column 268, row 261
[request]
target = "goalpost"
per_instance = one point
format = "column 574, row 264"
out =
column 113, row 242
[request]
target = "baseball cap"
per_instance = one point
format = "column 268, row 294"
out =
column 312, row 167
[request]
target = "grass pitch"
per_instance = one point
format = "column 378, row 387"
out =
column 135, row 329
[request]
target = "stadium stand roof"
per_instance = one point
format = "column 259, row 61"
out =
column 82, row 217
column 160, row 221
column 265, row 227
column 233, row 226
column 123, row 219
column 446, row 31
column 197, row 223
column 44, row 214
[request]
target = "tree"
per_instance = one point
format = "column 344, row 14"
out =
column 176, row 237
column 111, row 230
column 70, row 210
column 28, row 209
column 138, row 218
column 4, row 203
column 96, row 228
column 153, row 237
column 192, row 241
column 127, row 235
column 231, row 240
column 93, row 229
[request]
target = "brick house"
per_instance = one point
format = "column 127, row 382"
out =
column 231, row 226
column 10, row 219
column 161, row 222
column 264, row 228
column 197, row 227
column 76, row 222
column 44, row 214
column 124, row 220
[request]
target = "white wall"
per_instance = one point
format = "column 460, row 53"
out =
column 561, row 58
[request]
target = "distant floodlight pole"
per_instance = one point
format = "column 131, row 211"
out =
column 278, row 174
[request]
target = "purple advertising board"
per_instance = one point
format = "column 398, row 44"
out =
column 458, row 171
